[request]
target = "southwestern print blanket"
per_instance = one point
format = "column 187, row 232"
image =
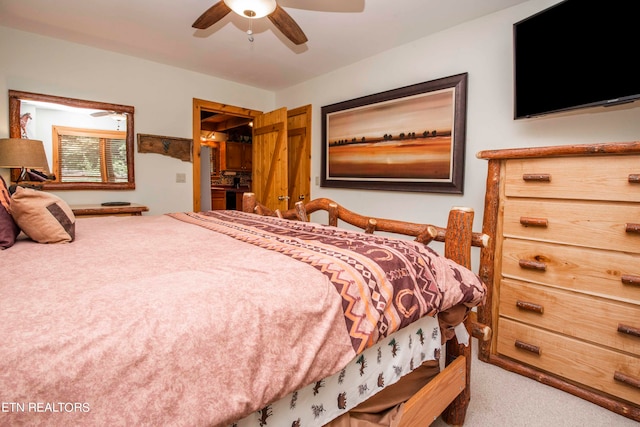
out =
column 385, row 283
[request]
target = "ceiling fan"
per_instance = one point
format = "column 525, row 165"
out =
column 253, row 9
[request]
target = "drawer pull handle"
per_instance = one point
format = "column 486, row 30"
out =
column 536, row 177
column 632, row 228
column 634, row 178
column 528, row 347
column 534, row 222
column 530, row 306
column 630, row 330
column 628, row 279
column 627, row 379
column 532, row 265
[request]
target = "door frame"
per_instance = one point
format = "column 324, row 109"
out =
column 198, row 106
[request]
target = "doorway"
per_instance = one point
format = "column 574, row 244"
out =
column 280, row 153
column 220, row 118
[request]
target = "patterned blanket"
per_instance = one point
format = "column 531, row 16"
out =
column 385, row 283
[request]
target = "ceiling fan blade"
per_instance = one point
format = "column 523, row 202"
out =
column 212, row 15
column 100, row 113
column 285, row 23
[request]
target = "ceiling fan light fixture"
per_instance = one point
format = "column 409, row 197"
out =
column 118, row 117
column 253, row 9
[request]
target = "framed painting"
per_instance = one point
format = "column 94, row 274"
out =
column 406, row 139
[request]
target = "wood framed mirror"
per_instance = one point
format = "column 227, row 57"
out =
column 105, row 130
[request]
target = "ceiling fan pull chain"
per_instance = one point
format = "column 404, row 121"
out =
column 250, row 30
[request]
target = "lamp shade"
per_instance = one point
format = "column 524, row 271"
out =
column 22, row 153
column 252, row 8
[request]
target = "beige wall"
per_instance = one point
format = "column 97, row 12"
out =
column 162, row 97
column 482, row 48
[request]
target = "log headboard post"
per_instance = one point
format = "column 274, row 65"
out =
column 457, row 246
column 249, row 202
column 457, row 238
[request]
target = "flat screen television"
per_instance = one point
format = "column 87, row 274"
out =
column 576, row 54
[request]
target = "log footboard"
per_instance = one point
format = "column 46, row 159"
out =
column 448, row 394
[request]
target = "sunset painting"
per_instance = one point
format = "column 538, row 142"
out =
column 408, row 140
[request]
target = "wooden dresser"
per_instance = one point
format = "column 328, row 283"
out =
column 563, row 268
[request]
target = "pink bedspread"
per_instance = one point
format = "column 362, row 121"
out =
column 153, row 321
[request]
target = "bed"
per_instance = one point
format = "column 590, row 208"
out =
column 221, row 318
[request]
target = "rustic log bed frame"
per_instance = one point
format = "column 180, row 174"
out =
column 448, row 393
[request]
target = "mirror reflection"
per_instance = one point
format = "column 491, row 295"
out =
column 89, row 144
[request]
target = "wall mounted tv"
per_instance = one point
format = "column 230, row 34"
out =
column 576, row 54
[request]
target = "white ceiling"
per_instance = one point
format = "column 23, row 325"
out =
column 340, row 32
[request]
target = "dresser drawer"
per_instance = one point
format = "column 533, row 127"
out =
column 608, row 274
column 589, row 178
column 591, row 224
column 585, row 363
column 609, row 323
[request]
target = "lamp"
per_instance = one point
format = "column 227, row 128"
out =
column 22, row 153
column 252, row 8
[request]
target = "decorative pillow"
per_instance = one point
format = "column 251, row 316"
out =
column 8, row 228
column 42, row 216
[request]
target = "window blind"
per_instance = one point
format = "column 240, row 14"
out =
column 85, row 158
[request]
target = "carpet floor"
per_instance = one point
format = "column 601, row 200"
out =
column 500, row 398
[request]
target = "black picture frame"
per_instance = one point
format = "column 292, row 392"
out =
column 406, row 139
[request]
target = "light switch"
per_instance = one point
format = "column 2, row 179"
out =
column 181, row 177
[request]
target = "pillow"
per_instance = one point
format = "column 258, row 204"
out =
column 42, row 216
column 9, row 230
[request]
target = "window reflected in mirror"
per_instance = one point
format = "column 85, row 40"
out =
column 92, row 155
column 89, row 144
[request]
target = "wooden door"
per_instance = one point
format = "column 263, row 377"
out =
column 282, row 157
column 299, row 152
column 270, row 159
